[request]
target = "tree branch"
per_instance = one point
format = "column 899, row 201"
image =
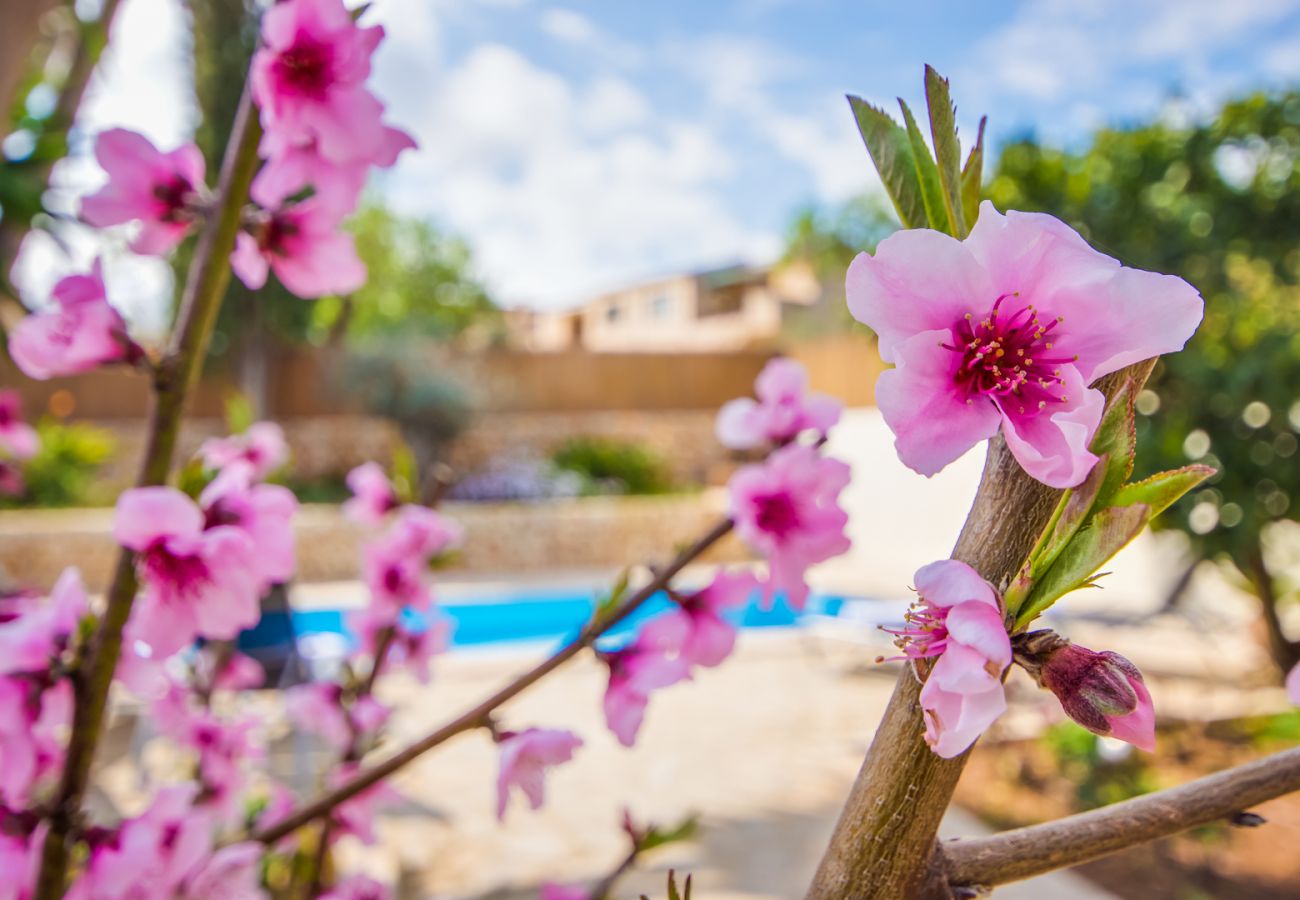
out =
column 204, row 288
column 479, row 716
column 1026, row 852
column 891, row 817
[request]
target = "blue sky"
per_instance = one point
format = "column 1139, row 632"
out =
column 582, row 145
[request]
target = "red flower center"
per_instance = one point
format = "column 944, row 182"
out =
column 924, row 633
column 776, row 514
column 1009, row 358
column 306, row 68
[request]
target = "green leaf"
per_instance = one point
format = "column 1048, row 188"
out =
column 239, row 412
column 947, row 148
column 1160, row 491
column 606, row 604
column 1104, row 536
column 657, row 837
column 927, row 174
column 972, row 177
column 1117, row 439
column 405, row 474
column 892, row 154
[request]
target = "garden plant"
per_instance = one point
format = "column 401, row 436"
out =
column 1003, row 328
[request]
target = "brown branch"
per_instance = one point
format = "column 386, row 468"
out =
column 1026, row 852
column 480, row 715
column 890, row 820
column 175, row 374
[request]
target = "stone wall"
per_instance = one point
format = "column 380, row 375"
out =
column 501, row 539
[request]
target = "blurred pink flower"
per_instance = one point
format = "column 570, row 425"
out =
column 39, row 630
column 1103, row 692
column 958, row 619
column 356, row 816
column 17, row 438
column 407, row 649
column 787, row 509
column 261, row 447
column 525, row 757
column 20, row 853
column 372, row 494
column 317, row 708
column 551, row 891
column 240, row 673
column 11, row 479
column 80, row 333
column 196, row 581
column 420, row 531
column 304, row 246
column 783, row 411
column 695, row 629
column 1008, row 328
column 1293, row 684
column 226, row 749
column 146, row 185
column 264, row 512
column 153, row 853
column 634, row 672
column 395, row 566
column 309, row 79
column 33, row 719
column 358, row 887
column 291, row 167
column 233, row 872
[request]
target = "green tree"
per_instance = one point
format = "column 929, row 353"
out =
column 420, row 285
column 1217, row 203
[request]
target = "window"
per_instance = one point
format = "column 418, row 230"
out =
column 613, row 312
column 661, row 306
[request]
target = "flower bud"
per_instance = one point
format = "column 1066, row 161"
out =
column 1103, row 692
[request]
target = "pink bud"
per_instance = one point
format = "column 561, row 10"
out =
column 1103, row 692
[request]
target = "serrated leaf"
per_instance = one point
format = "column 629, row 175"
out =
column 1160, row 491
column 891, row 152
column 1116, row 438
column 927, row 174
column 972, row 177
column 1069, row 516
column 947, row 148
column 1104, row 536
column 657, row 837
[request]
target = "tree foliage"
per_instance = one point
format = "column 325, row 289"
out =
column 1217, row 203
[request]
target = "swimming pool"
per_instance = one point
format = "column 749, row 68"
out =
column 524, row 615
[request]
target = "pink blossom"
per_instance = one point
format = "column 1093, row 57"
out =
column 309, row 79
column 1103, row 692
column 406, row 648
column 787, row 509
column 38, row 631
column 196, row 581
column 264, row 512
column 146, row 185
column 783, row 411
column 319, row 708
column 21, row 841
column 152, row 854
column 372, row 494
column 395, row 567
column 17, row 438
column 33, row 720
column 232, row 873
column 1293, row 684
column 80, row 333
column 240, row 673
column 358, row 887
column 11, row 480
column 634, row 672
column 958, row 619
column 261, row 447
column 226, row 749
column 304, row 246
column 356, row 816
column 292, row 167
column 695, row 629
column 551, row 891
column 525, row 757
column 1008, row 329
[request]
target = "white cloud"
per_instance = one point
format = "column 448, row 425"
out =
column 580, row 32
column 564, row 191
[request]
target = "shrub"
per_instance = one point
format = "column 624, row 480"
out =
column 613, row 466
column 62, row 473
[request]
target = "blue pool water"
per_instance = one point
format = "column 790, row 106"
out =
column 527, row 615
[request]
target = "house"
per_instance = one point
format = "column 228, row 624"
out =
column 734, row 308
